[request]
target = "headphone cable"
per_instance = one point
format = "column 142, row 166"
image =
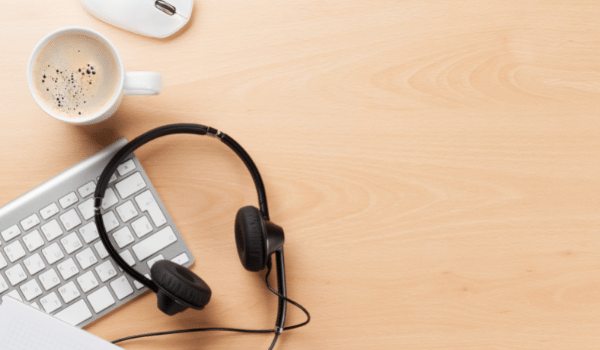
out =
column 239, row 330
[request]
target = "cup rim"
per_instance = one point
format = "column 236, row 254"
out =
column 114, row 98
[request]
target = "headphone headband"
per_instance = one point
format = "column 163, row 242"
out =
column 139, row 141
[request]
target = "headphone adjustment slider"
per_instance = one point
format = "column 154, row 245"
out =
column 97, row 203
column 213, row 132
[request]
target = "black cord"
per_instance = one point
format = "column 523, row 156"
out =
column 239, row 330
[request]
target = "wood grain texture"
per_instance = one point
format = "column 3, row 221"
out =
column 435, row 165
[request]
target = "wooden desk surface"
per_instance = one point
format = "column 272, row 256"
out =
column 435, row 165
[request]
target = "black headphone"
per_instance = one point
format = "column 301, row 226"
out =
column 257, row 239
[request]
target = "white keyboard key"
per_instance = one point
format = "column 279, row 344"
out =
column 127, row 211
column 106, row 271
column 146, row 202
column 53, row 253
column 13, row 294
column 67, row 269
column 33, row 240
column 3, row 285
column 101, row 249
column 155, row 259
column 68, row 200
column 121, row 287
column 35, row 305
column 52, row 230
column 86, row 258
column 123, row 237
column 126, row 255
column 75, row 314
column 126, row 167
column 10, row 233
column 31, row 290
column 49, row 279
column 71, row 243
column 89, row 232
column 181, row 259
column 34, row 264
column 138, row 285
column 50, row 303
column 110, row 199
column 87, row 281
column 49, row 211
column 69, row 292
column 130, row 185
column 16, row 274
column 70, row 219
column 87, row 209
column 30, row 221
column 14, row 251
column 3, row 262
column 141, row 226
column 101, row 299
column 110, row 221
column 154, row 243
column 87, row 189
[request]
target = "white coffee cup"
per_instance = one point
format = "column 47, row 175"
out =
column 71, row 82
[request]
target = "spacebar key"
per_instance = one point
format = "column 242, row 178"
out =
column 154, row 243
column 75, row 314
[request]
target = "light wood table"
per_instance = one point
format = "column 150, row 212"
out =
column 435, row 165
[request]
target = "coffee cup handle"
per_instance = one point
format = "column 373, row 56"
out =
column 142, row 83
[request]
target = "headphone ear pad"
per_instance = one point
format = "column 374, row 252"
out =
column 251, row 238
column 179, row 284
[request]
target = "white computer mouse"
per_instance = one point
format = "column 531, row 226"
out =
column 155, row 18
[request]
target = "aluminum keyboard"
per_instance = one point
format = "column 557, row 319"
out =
column 51, row 255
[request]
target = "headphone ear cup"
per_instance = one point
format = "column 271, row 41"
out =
column 251, row 238
column 179, row 288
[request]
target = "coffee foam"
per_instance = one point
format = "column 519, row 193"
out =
column 75, row 75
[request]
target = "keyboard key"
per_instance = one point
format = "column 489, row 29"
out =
column 13, row 294
column 53, row 253
column 3, row 285
column 71, row 243
column 127, row 211
column 141, row 226
column 49, row 211
column 89, row 232
column 130, row 185
column 33, row 240
column 69, row 292
column 3, row 262
column 87, row 281
column 34, row 264
column 10, row 233
column 49, row 279
column 87, row 189
column 86, row 258
column 147, row 203
column 68, row 200
column 121, row 287
column 110, row 221
column 126, row 255
column 123, row 237
column 101, row 249
column 16, row 274
column 154, row 243
column 31, row 290
column 70, row 219
column 75, row 314
column 52, row 230
column 154, row 260
column 126, row 167
column 138, row 285
column 67, row 269
column 181, row 259
column 30, row 221
column 101, row 299
column 106, row 271
column 50, row 303
column 110, row 199
column 14, row 251
column 87, row 209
